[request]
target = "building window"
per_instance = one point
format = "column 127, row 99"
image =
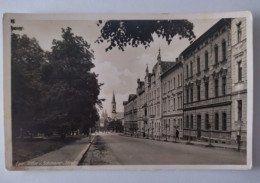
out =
column 191, row 73
column 174, row 82
column 187, row 121
column 178, row 102
column 224, row 121
column 178, row 81
column 198, row 64
column 216, row 54
column 224, row 54
column 191, row 94
column 206, row 60
column 207, row 125
column 224, row 86
column 169, row 105
column 216, row 121
column 187, row 95
column 181, row 80
column 198, row 92
column 191, row 121
column 216, row 87
column 181, row 102
column 239, row 71
column 239, row 32
column 187, row 71
column 239, row 107
column 174, row 104
column 206, row 90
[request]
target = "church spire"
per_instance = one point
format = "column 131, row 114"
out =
column 113, row 100
column 159, row 56
column 113, row 104
column 147, row 70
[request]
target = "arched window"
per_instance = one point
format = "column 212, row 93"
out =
column 191, row 121
column 216, row 121
column 224, row 51
column 216, row 54
column 206, row 60
column 198, row 65
column 224, row 121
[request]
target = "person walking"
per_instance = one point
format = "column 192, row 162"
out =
column 176, row 135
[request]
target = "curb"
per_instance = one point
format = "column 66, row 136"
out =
column 78, row 159
column 195, row 144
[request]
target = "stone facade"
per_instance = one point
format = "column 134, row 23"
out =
column 239, row 79
column 203, row 93
column 172, row 100
column 207, row 85
column 141, row 107
column 130, row 114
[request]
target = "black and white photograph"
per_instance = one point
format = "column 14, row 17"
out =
column 106, row 91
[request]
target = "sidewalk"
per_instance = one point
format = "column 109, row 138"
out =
column 197, row 143
column 68, row 155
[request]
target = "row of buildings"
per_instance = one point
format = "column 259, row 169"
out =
column 202, row 94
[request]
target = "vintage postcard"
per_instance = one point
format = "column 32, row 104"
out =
column 128, row 91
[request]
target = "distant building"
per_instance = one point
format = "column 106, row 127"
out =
column 141, row 107
column 114, row 114
column 130, row 114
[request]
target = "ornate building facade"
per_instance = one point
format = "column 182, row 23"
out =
column 239, row 79
column 141, row 107
column 172, row 97
column 203, row 93
column 130, row 115
column 207, row 85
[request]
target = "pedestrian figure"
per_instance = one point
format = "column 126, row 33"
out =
column 176, row 135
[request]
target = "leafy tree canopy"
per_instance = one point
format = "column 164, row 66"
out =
column 120, row 33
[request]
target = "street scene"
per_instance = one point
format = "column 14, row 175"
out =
column 128, row 92
column 114, row 149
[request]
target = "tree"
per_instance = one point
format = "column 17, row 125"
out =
column 27, row 59
column 73, row 93
column 120, row 33
column 115, row 126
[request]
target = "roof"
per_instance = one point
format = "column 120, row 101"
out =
column 166, row 65
column 172, row 68
column 206, row 35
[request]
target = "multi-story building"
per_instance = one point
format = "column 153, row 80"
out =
column 130, row 114
column 154, row 97
column 207, row 85
column 172, row 97
column 141, row 108
column 239, row 79
column 203, row 93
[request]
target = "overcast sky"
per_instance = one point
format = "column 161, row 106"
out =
column 118, row 70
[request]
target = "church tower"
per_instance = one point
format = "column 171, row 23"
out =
column 113, row 105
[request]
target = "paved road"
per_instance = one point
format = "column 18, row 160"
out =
column 116, row 149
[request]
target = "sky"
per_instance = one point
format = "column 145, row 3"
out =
column 118, row 70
